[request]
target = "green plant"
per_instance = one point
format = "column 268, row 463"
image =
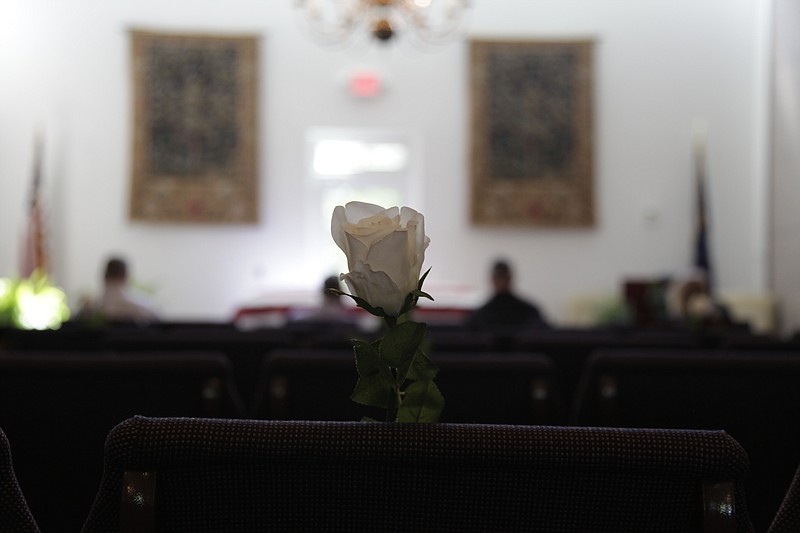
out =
column 32, row 303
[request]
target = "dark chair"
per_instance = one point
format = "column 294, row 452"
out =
column 244, row 349
column 15, row 516
column 459, row 339
column 58, row 410
column 308, row 384
column 506, row 388
column 310, row 334
column 787, row 520
column 210, row 475
column 71, row 336
column 754, row 397
column 477, row 388
column 570, row 348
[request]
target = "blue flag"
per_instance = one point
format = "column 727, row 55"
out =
column 702, row 258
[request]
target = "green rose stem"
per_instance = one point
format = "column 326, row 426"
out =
column 395, row 399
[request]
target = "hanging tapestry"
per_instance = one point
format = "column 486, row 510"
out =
column 532, row 133
column 194, row 128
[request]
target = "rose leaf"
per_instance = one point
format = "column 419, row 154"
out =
column 401, row 343
column 422, row 403
column 374, row 391
column 422, row 369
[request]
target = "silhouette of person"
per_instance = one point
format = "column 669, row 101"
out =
column 691, row 302
column 118, row 303
column 331, row 310
column 505, row 309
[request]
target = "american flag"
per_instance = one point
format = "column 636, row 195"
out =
column 34, row 253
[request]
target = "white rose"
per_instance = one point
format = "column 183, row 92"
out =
column 385, row 249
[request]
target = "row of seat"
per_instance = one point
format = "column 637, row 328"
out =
column 211, row 475
column 518, row 388
column 753, row 396
column 569, row 348
column 58, row 408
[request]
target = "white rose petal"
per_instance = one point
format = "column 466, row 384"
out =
column 385, row 250
column 375, row 287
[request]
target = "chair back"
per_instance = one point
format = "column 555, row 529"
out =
column 755, row 397
column 571, row 348
column 787, row 519
column 477, row 388
column 244, row 349
column 209, row 475
column 14, row 512
column 57, row 409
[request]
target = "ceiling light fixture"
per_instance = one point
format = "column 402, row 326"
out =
column 423, row 22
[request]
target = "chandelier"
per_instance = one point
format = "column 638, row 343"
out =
column 423, row 22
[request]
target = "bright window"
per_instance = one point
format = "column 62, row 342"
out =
column 368, row 165
column 334, row 159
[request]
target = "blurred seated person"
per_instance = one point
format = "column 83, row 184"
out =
column 690, row 302
column 331, row 310
column 119, row 303
column 505, row 310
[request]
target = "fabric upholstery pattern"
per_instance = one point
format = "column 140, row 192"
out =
column 753, row 396
column 58, row 408
column 15, row 516
column 252, row 475
column 787, row 519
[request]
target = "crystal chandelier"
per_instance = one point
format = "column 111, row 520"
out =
column 423, row 22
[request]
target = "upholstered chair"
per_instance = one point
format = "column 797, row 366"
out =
column 753, row 396
column 787, row 520
column 57, row 409
column 15, row 516
column 211, row 475
column 479, row 387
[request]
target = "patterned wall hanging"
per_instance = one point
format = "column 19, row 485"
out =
column 195, row 128
column 532, row 133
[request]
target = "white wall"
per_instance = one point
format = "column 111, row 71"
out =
column 786, row 163
column 64, row 67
